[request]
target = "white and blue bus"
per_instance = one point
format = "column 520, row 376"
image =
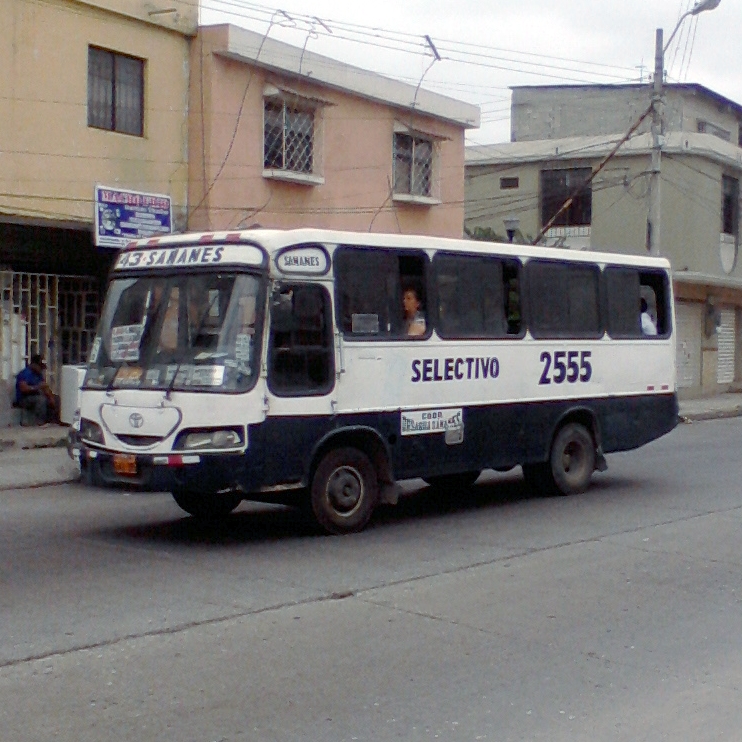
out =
column 320, row 368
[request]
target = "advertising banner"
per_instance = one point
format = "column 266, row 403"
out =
column 123, row 216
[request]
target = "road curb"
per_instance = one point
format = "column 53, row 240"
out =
column 710, row 415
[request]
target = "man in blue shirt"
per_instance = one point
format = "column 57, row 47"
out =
column 33, row 393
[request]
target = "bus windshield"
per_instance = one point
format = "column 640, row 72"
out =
column 189, row 331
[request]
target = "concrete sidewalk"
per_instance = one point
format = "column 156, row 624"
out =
column 37, row 456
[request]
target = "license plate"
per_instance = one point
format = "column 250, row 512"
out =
column 124, row 463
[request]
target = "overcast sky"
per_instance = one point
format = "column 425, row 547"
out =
column 488, row 46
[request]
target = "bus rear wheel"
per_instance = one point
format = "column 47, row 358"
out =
column 571, row 463
column 344, row 491
column 206, row 505
column 572, row 459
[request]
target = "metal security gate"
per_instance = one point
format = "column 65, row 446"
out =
column 726, row 338
column 48, row 314
column 689, row 320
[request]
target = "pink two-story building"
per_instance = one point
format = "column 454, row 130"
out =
column 282, row 137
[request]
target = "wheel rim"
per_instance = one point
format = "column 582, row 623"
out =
column 345, row 490
column 574, row 459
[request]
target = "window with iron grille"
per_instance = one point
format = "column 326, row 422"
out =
column 413, row 165
column 288, row 137
column 115, row 92
column 557, row 186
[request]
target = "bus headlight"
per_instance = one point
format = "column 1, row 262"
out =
column 91, row 432
column 221, row 438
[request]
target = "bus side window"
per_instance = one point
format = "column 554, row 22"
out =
column 365, row 285
column 370, row 287
column 653, row 289
column 301, row 354
column 477, row 296
column 564, row 299
column 629, row 293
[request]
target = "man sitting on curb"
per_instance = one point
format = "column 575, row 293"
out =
column 33, row 393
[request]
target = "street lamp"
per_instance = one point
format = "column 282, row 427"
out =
column 653, row 223
column 511, row 226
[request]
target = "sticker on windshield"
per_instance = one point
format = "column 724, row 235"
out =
column 128, row 376
column 95, row 350
column 207, row 376
column 243, row 347
column 125, row 341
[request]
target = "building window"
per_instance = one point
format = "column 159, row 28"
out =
column 706, row 127
column 115, row 92
column 509, row 183
column 729, row 205
column 288, row 137
column 413, row 165
column 557, row 187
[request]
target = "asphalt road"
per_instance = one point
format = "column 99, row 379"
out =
column 613, row 615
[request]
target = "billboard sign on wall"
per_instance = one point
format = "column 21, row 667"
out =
column 123, row 216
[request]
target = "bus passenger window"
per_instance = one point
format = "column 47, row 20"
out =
column 477, row 296
column 563, row 299
column 365, row 281
column 636, row 302
column 381, row 294
column 301, row 353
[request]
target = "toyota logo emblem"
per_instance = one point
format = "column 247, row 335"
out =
column 136, row 420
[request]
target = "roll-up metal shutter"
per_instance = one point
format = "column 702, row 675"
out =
column 725, row 338
column 688, row 318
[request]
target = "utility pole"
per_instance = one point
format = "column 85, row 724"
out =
column 655, row 207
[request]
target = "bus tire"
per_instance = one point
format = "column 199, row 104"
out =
column 572, row 459
column 206, row 505
column 344, row 491
column 453, row 482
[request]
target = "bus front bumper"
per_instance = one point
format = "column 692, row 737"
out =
column 209, row 472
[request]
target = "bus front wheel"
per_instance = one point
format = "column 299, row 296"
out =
column 344, row 491
column 206, row 505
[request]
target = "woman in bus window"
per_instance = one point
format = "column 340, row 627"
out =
column 414, row 318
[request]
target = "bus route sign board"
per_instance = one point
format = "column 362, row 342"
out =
column 123, row 216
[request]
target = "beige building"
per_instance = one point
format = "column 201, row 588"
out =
column 91, row 92
column 562, row 134
column 283, row 137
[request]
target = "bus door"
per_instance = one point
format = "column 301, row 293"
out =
column 300, row 377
